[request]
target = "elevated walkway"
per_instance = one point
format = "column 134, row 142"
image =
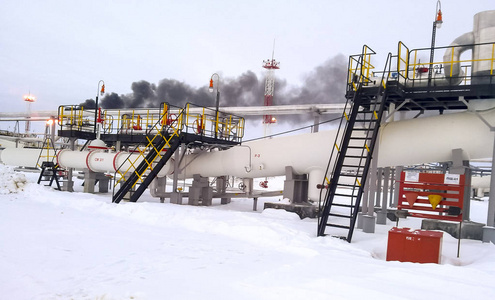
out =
column 195, row 129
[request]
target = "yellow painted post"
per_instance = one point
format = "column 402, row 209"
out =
column 415, row 63
column 493, row 52
column 451, row 62
column 400, row 57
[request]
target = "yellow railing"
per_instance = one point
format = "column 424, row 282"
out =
column 414, row 64
column 135, row 120
column 164, row 130
column 205, row 121
column 403, row 60
column 360, row 68
column 75, row 117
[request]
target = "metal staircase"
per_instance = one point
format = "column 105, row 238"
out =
column 193, row 126
column 163, row 139
column 354, row 147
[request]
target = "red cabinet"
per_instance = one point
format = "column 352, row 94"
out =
column 408, row 245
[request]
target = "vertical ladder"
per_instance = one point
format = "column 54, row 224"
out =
column 150, row 160
column 353, row 157
column 49, row 169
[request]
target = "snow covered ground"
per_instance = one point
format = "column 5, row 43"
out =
column 60, row 245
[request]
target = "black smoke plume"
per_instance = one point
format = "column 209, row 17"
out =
column 88, row 104
column 325, row 84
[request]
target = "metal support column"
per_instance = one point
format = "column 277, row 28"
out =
column 398, row 172
column 369, row 218
column 364, row 203
column 176, row 195
column 489, row 229
column 391, row 193
column 379, row 179
column 382, row 213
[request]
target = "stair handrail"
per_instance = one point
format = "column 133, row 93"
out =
column 381, row 88
column 162, row 126
column 356, row 78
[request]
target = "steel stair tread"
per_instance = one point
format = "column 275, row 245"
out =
column 343, row 205
column 338, row 226
column 339, row 215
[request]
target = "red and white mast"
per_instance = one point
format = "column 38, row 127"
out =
column 270, row 65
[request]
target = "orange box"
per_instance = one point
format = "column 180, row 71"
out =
column 409, row 245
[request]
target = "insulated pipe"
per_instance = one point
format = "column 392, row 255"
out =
column 483, row 32
column 23, row 157
column 416, row 141
column 99, row 161
column 432, row 139
column 96, row 161
column 452, row 56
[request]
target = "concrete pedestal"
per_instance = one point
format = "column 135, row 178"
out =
column 68, row 186
column 176, row 198
column 381, row 217
column 369, row 224
column 488, row 234
column 469, row 230
column 359, row 223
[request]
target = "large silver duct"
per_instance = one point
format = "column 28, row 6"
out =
column 483, row 32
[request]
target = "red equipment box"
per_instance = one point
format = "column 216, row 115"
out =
column 420, row 246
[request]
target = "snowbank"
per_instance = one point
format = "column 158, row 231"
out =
column 60, row 245
column 11, row 182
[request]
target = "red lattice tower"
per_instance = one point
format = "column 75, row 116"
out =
column 270, row 65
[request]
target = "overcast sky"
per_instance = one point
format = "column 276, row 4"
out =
column 59, row 50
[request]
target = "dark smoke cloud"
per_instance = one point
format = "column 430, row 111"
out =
column 88, row 104
column 325, row 84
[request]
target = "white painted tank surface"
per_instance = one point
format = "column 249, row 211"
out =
column 416, row 141
column 409, row 142
column 101, row 161
column 484, row 32
column 432, row 139
column 23, row 157
column 96, row 161
column 306, row 153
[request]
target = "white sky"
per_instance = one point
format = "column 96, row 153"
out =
column 59, row 50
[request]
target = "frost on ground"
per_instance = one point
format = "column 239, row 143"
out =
column 59, row 245
column 11, row 182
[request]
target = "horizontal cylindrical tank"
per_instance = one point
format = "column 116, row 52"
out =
column 409, row 142
column 416, row 141
column 432, row 139
column 96, row 161
column 100, row 161
column 24, row 157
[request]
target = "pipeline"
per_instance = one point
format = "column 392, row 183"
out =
column 409, row 142
column 94, row 160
